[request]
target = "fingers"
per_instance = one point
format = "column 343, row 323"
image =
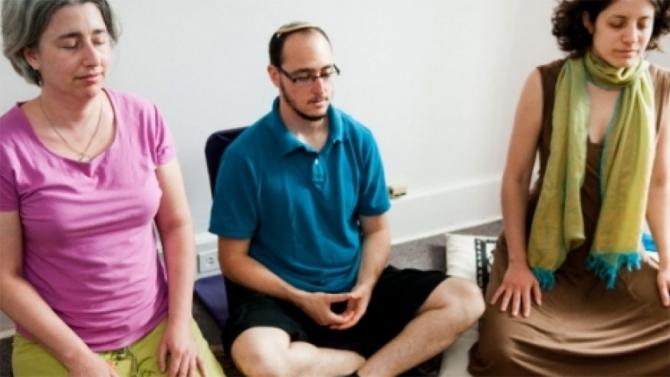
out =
column 162, row 356
column 526, row 303
column 189, row 364
column 189, row 367
column 200, row 364
column 507, row 296
column 338, row 297
column 496, row 296
column 353, row 313
column 174, row 366
column 664, row 290
column 537, row 293
column 517, row 300
column 112, row 371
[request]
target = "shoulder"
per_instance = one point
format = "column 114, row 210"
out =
column 548, row 73
column 131, row 106
column 660, row 76
column 251, row 146
column 13, row 126
column 133, row 112
column 352, row 129
column 555, row 65
column 128, row 100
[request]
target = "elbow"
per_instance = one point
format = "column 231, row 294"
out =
column 519, row 183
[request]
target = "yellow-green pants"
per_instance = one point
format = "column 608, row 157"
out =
column 140, row 359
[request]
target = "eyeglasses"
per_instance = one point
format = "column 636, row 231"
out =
column 304, row 79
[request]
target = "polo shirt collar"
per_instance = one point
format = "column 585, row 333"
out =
column 288, row 143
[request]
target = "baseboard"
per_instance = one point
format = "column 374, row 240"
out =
column 428, row 212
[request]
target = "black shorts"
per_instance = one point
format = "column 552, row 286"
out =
column 395, row 300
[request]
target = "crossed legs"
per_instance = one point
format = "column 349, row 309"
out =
column 452, row 307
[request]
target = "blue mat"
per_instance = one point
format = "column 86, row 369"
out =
column 648, row 242
column 211, row 291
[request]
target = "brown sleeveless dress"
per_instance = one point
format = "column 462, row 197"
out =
column 582, row 328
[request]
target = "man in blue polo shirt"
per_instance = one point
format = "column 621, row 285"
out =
column 299, row 208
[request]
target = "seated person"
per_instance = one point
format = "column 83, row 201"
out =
column 299, row 207
column 572, row 292
column 85, row 174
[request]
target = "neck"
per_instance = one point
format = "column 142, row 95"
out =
column 67, row 111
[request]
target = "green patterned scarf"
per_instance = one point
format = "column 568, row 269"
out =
column 625, row 172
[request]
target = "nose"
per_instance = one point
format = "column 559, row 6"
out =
column 630, row 34
column 90, row 54
column 318, row 83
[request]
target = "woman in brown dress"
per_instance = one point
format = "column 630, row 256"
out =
column 567, row 297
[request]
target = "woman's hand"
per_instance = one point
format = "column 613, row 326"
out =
column 178, row 345
column 663, row 281
column 91, row 364
column 516, row 288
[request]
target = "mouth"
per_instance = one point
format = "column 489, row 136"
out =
column 627, row 53
column 319, row 101
column 90, row 78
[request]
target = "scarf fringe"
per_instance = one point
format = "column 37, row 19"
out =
column 609, row 272
column 544, row 277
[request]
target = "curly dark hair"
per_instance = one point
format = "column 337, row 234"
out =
column 575, row 39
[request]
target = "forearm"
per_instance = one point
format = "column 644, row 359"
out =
column 249, row 273
column 22, row 303
column 658, row 217
column 514, row 206
column 376, row 249
column 178, row 249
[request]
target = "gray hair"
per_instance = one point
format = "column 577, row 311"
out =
column 24, row 21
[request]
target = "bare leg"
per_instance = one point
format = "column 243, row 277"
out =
column 450, row 309
column 267, row 351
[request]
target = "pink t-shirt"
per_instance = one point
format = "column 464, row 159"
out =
column 89, row 246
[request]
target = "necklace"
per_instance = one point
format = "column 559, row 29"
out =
column 83, row 155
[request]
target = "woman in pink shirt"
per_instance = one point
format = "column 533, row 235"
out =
column 85, row 174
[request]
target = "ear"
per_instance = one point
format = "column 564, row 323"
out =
column 586, row 20
column 274, row 74
column 31, row 56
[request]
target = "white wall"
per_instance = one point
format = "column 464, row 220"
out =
column 436, row 81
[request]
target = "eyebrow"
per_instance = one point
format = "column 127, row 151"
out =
column 622, row 17
column 310, row 70
column 76, row 34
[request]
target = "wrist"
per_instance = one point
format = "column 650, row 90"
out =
column 73, row 357
column 518, row 263
column 295, row 296
column 664, row 263
column 367, row 285
column 179, row 320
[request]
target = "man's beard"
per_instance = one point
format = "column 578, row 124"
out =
column 292, row 105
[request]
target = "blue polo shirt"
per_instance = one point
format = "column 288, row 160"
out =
column 300, row 208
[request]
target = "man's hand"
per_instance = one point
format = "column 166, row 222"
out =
column 318, row 306
column 357, row 304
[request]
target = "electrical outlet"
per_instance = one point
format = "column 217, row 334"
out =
column 397, row 190
column 208, row 261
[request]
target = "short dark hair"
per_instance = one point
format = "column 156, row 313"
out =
column 24, row 21
column 575, row 39
column 279, row 38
